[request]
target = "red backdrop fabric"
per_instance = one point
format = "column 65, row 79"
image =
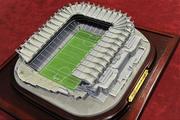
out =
column 20, row 18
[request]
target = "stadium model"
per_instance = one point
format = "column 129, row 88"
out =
column 83, row 59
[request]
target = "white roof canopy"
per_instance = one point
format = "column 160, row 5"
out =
column 121, row 26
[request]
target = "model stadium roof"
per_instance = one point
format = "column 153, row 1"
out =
column 120, row 29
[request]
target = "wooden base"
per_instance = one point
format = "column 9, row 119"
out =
column 14, row 103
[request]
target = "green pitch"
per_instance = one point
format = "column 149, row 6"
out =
column 61, row 66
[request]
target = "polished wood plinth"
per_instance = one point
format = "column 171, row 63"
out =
column 21, row 107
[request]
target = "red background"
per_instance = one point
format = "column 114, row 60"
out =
column 20, row 18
